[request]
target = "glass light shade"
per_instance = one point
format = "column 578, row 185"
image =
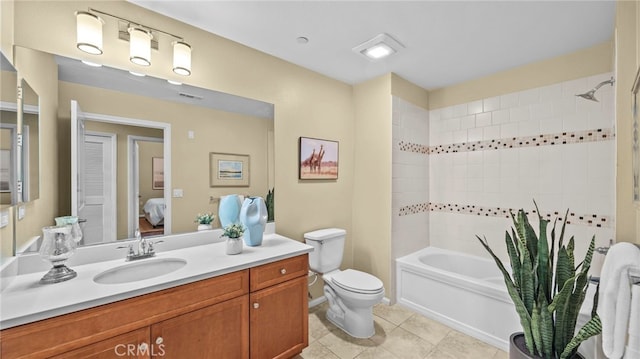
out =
column 181, row 58
column 89, row 32
column 139, row 46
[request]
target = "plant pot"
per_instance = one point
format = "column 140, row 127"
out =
column 204, row 227
column 518, row 349
column 234, row 245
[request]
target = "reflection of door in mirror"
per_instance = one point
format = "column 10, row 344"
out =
column 30, row 143
column 105, row 192
column 147, row 213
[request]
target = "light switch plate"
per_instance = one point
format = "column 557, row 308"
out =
column 177, row 193
column 191, row 135
column 21, row 212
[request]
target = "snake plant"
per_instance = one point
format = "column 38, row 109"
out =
column 547, row 292
column 269, row 202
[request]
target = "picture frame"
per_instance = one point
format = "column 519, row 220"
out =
column 157, row 173
column 229, row 170
column 317, row 159
column 635, row 140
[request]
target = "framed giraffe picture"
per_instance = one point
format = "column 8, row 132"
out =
column 318, row 159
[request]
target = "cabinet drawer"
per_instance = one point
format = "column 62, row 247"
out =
column 277, row 272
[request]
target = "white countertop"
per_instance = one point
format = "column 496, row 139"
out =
column 25, row 300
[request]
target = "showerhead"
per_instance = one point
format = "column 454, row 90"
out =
column 590, row 95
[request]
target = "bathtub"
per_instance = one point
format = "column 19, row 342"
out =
column 466, row 293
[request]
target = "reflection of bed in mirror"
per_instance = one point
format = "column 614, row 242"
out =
column 154, row 211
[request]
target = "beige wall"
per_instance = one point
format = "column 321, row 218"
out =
column 590, row 61
column 306, row 104
column 371, row 236
column 627, row 63
column 409, row 91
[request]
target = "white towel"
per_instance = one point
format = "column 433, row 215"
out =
column 615, row 297
column 633, row 347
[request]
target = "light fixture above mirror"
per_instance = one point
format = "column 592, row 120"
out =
column 141, row 38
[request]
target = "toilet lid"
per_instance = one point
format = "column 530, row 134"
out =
column 356, row 281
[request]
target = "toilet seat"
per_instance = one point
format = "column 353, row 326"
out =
column 356, row 281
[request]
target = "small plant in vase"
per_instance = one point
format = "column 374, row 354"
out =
column 204, row 220
column 233, row 232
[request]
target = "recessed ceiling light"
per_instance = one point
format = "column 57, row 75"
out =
column 174, row 82
column 302, row 40
column 92, row 64
column 137, row 74
column 379, row 47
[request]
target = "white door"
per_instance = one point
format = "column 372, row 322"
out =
column 99, row 186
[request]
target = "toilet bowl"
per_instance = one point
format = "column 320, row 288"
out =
column 351, row 293
column 351, row 300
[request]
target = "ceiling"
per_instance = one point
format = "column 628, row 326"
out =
column 446, row 42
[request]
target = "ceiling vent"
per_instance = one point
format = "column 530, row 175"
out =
column 378, row 48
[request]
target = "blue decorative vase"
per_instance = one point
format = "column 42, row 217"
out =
column 253, row 215
column 229, row 209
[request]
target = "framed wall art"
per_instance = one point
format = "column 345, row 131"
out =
column 318, row 159
column 228, row 170
column 157, row 173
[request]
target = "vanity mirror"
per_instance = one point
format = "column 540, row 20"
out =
column 8, row 133
column 18, row 164
column 137, row 126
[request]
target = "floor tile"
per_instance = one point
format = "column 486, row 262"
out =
column 344, row 345
column 376, row 353
column 501, row 354
column 425, row 328
column 407, row 345
column 396, row 314
column 399, row 334
column 316, row 350
column 462, row 346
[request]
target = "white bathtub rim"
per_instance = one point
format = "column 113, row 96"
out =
column 412, row 264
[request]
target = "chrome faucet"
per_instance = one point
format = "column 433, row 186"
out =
column 145, row 248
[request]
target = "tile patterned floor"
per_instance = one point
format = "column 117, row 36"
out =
column 400, row 334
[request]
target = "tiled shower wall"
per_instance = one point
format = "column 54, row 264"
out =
column 410, row 178
column 489, row 156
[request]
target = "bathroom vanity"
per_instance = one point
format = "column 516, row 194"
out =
column 252, row 305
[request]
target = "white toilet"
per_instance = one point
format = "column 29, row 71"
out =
column 351, row 293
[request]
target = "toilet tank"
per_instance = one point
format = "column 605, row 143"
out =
column 328, row 247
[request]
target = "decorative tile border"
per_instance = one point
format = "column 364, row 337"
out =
column 593, row 220
column 600, row 134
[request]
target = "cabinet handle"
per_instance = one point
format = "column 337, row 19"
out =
column 256, row 305
column 283, row 271
column 159, row 340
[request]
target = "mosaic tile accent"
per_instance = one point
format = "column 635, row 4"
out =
column 600, row 134
column 593, row 220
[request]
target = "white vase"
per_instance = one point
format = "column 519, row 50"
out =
column 204, row 227
column 234, row 245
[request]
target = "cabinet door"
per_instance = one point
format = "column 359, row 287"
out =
column 134, row 344
column 218, row 331
column 279, row 320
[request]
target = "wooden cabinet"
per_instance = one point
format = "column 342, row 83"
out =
column 255, row 313
column 279, row 309
column 218, row 331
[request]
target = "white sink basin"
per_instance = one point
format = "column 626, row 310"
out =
column 136, row 271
